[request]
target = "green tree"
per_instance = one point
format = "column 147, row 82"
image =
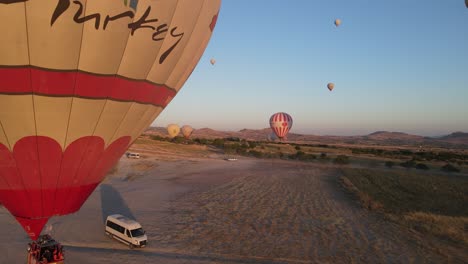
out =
column 341, row 159
column 219, row 142
column 389, row 164
column 421, row 166
column 450, row 168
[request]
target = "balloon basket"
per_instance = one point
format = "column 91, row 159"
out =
column 45, row 250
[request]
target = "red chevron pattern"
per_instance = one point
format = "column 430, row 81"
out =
column 281, row 123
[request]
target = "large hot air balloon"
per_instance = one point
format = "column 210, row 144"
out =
column 337, row 22
column 173, row 130
column 79, row 82
column 212, row 61
column 280, row 123
column 330, row 86
column 187, row 131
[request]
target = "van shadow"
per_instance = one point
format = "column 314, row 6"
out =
column 113, row 203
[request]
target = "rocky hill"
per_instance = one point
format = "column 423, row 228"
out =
column 454, row 140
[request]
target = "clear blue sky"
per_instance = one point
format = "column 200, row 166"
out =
column 399, row 65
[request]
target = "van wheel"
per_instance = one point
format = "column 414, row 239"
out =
column 131, row 246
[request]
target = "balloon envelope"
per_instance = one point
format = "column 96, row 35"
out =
column 466, row 3
column 187, row 131
column 281, row 123
column 79, row 82
column 337, row 22
column 330, row 86
column 173, row 130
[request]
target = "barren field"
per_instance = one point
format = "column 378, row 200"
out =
column 198, row 208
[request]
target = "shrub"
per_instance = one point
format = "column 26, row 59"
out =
column 389, row 164
column 241, row 151
column 252, row 144
column 202, row 141
column 178, row 140
column 408, row 164
column 450, row 168
column 421, row 166
column 341, row 159
column 219, row 142
column 256, row 153
column 297, row 147
column 323, row 155
column 156, row 137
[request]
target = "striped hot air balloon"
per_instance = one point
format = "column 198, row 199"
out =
column 280, row 123
column 79, row 82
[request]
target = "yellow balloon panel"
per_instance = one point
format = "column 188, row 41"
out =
column 132, row 118
column 84, row 116
column 103, row 47
column 17, row 117
column 3, row 138
column 135, row 63
column 51, row 115
column 54, row 46
column 111, row 118
column 179, row 33
column 14, row 43
column 146, row 121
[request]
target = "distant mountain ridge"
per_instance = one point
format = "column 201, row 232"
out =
column 453, row 140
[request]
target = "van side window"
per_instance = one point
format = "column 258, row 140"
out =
column 116, row 227
column 128, row 233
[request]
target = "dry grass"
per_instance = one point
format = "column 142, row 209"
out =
column 132, row 177
column 448, row 227
column 143, row 166
column 433, row 204
column 365, row 199
column 114, row 169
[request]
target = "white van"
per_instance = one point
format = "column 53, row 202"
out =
column 131, row 155
column 126, row 230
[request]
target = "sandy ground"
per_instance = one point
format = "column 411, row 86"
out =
column 202, row 209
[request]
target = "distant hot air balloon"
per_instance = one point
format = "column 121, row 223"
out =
column 173, row 130
column 79, row 82
column 280, row 123
column 330, row 86
column 212, row 61
column 187, row 131
column 337, row 22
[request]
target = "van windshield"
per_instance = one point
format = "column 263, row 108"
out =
column 137, row 232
